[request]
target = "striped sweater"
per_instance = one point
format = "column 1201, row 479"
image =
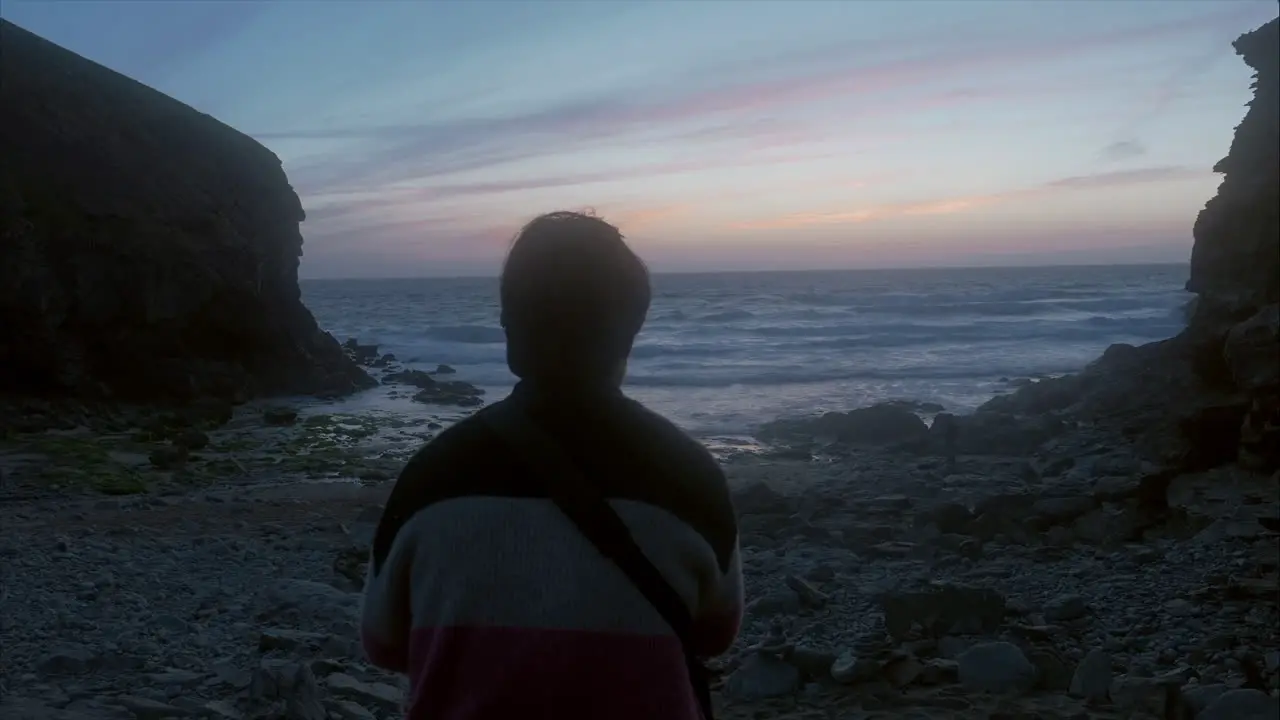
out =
column 496, row 607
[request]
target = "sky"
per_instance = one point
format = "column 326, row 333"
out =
column 718, row 135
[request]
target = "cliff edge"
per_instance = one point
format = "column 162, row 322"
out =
column 148, row 253
column 1235, row 263
column 1211, row 395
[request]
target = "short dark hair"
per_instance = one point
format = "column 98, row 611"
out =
column 574, row 296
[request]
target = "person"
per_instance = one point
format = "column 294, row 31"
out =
column 483, row 591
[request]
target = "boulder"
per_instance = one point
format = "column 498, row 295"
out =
column 1211, row 435
column 291, row 599
column 279, row 416
column 1260, row 435
column 364, row 354
column 997, row 668
column 1252, row 351
column 762, row 677
column 992, row 432
column 884, row 424
column 1242, row 704
column 451, row 392
column 1092, row 678
column 760, row 498
column 286, row 690
column 415, row 378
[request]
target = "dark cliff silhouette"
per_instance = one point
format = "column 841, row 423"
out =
column 148, row 252
column 1211, row 395
column 1235, row 264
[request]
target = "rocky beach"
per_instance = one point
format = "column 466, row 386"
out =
column 187, row 498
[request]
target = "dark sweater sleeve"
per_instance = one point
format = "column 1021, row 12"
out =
column 386, row 609
column 718, row 617
column 386, row 616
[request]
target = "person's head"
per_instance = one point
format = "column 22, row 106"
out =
column 574, row 296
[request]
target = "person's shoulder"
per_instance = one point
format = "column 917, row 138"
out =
column 685, row 479
column 447, row 466
column 454, row 461
column 677, row 446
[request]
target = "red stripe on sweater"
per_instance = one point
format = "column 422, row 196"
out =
column 487, row 673
column 387, row 655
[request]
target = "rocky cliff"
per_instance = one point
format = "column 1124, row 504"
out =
column 1235, row 264
column 148, row 252
column 1233, row 338
column 1211, row 395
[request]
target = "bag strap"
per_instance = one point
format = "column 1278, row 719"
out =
column 584, row 504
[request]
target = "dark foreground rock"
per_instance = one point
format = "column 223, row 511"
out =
column 431, row 389
column 148, row 253
column 437, row 392
column 884, row 424
column 458, row 393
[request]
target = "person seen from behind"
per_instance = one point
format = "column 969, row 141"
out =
column 501, row 581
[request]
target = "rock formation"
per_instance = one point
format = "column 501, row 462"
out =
column 148, row 252
column 1235, row 264
column 1211, row 395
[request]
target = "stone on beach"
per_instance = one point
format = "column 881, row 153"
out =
column 289, row 689
column 762, row 677
column 437, row 392
column 1092, row 679
column 1242, row 704
column 884, row 424
column 996, row 667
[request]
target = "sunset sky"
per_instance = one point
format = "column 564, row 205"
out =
column 743, row 134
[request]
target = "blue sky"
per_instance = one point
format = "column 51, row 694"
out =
column 742, row 134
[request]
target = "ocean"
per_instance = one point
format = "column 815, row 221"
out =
column 724, row 352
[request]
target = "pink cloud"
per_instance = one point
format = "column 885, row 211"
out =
column 877, row 212
column 640, row 219
column 950, row 206
column 366, row 209
column 841, row 79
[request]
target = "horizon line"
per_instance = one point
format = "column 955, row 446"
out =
column 783, row 272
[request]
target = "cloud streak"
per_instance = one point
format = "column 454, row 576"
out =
column 952, row 206
column 353, row 209
column 395, row 153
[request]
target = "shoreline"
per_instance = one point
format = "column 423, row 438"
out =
column 360, row 437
